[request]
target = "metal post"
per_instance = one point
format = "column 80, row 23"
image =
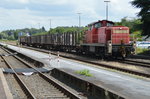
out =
column 79, row 19
column 58, row 65
column 50, row 58
column 39, row 27
column 107, row 9
column 50, row 24
column 19, row 48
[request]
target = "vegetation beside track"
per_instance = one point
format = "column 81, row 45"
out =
column 143, row 51
column 84, row 72
column 13, row 42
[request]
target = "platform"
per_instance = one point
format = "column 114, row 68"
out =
column 24, row 70
column 127, row 86
column 4, row 88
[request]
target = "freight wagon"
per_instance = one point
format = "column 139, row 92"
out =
column 102, row 39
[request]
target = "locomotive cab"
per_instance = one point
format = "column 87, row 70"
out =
column 118, row 37
column 92, row 34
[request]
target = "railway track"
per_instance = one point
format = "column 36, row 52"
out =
column 135, row 62
column 37, row 85
column 143, row 70
column 2, row 62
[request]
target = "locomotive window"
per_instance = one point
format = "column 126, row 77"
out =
column 97, row 25
column 90, row 27
column 120, row 31
column 109, row 24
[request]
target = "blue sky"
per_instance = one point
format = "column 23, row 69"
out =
column 17, row 14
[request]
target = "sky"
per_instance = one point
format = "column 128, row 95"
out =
column 18, row 14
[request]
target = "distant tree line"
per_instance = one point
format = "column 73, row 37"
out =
column 63, row 29
column 67, row 29
column 14, row 34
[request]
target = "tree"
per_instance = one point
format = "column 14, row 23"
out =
column 43, row 29
column 16, row 35
column 144, row 13
column 133, row 23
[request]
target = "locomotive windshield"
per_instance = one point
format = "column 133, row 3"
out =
column 97, row 25
column 110, row 24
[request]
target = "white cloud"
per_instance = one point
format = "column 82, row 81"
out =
column 50, row 2
column 17, row 1
column 123, row 8
column 87, row 8
column 92, row 10
column 14, row 19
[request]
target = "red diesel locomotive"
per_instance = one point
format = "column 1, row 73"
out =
column 102, row 39
column 105, row 39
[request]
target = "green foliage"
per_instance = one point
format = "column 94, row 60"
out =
column 11, row 37
column 80, row 31
column 84, row 72
column 43, row 29
column 42, row 33
column 141, row 50
column 5, row 46
column 3, row 35
column 13, row 34
column 67, row 29
column 6, row 40
column 144, row 13
column 136, row 35
column 133, row 24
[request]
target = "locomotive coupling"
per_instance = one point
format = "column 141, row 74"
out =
column 122, row 49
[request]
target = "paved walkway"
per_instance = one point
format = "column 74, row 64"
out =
column 4, row 89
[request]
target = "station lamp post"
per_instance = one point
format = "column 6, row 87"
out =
column 39, row 27
column 79, row 19
column 50, row 24
column 107, row 9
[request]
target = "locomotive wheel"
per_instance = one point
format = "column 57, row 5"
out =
column 123, row 58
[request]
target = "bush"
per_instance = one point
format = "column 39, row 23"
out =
column 141, row 50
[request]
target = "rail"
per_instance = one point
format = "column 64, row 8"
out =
column 21, row 83
column 50, row 79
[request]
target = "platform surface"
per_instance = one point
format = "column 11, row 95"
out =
column 24, row 70
column 4, row 89
column 118, row 83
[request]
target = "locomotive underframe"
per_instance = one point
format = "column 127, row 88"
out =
column 95, row 49
column 103, row 50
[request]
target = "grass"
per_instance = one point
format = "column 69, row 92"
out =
column 84, row 72
column 5, row 46
column 7, row 40
column 142, row 51
column 14, row 42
